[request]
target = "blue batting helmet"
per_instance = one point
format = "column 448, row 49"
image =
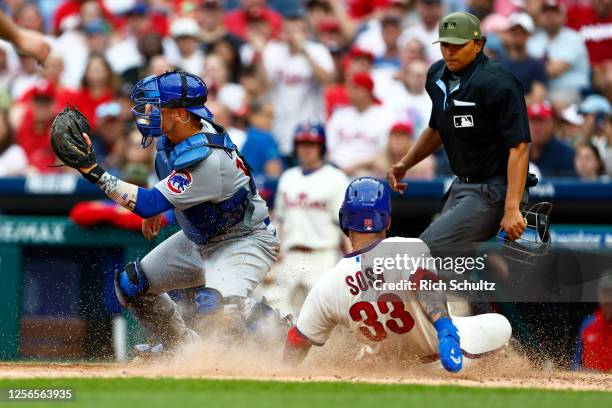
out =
column 175, row 89
column 312, row 131
column 366, row 206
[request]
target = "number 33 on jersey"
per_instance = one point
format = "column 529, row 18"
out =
column 345, row 295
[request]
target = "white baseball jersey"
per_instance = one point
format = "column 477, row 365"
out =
column 307, row 206
column 337, row 299
column 296, row 93
column 355, row 137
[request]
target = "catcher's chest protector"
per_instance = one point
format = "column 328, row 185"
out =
column 206, row 220
column 189, row 152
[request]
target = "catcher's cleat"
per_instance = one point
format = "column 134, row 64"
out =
column 147, row 352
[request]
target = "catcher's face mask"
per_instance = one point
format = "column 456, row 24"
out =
column 170, row 90
column 535, row 241
column 147, row 110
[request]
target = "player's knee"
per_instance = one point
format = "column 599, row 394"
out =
column 208, row 300
column 130, row 283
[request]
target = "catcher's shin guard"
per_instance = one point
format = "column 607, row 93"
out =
column 157, row 313
column 162, row 318
column 130, row 283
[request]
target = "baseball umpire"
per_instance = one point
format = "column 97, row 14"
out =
column 479, row 115
column 226, row 243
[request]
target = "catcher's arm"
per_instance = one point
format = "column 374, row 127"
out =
column 143, row 202
column 71, row 144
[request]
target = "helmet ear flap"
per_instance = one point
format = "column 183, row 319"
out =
column 342, row 221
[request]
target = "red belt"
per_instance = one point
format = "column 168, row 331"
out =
column 299, row 248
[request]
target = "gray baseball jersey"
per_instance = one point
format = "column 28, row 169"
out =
column 214, row 180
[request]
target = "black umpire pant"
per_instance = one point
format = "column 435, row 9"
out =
column 471, row 213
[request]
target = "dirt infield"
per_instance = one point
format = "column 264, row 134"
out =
column 504, row 370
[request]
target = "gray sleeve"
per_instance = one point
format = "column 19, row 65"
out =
column 194, row 185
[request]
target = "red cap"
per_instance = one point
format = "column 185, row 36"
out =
column 329, row 25
column 360, row 8
column 364, row 79
column 540, row 110
column 357, row 52
column 41, row 89
column 402, row 127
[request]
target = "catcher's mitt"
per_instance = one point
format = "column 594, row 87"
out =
column 67, row 139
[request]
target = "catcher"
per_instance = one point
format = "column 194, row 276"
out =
column 226, row 243
column 415, row 322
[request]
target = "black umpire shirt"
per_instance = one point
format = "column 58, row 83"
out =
column 480, row 118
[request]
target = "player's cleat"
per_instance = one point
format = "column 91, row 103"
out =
column 448, row 345
column 145, row 352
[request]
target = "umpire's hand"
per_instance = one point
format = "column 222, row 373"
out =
column 513, row 224
column 395, row 175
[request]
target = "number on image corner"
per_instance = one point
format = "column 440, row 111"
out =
column 373, row 329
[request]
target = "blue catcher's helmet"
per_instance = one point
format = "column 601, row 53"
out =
column 175, row 89
column 312, row 131
column 366, row 206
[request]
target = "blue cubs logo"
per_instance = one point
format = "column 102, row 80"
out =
column 179, row 181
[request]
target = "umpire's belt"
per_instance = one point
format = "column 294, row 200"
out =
column 499, row 179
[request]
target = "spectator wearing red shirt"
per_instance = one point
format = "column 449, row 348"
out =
column 13, row 160
column 97, row 87
column 553, row 157
column 33, row 133
column 594, row 343
column 594, row 23
column 336, row 96
column 236, row 20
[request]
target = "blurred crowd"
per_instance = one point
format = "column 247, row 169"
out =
column 359, row 66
